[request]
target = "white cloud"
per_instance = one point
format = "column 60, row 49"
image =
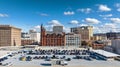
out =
column 52, row 23
column 44, row 14
column 117, row 4
column 55, row 23
column 110, row 25
column 107, row 15
column 115, row 20
column 83, row 25
column 74, row 22
column 104, row 8
column 118, row 9
column 107, row 27
column 66, row 29
column 97, row 29
column 37, row 27
column 92, row 20
column 85, row 10
column 3, row 15
column 69, row 13
column 104, row 28
column 49, row 27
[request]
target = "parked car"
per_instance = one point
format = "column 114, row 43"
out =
column 88, row 58
column 29, row 58
column 117, row 58
column 68, row 59
column 10, row 55
column 22, row 58
column 0, row 63
column 48, row 59
column 64, row 63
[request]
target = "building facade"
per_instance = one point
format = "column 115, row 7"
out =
column 72, row 40
column 25, row 35
column 98, row 45
column 27, row 41
column 35, row 36
column 85, row 31
column 108, row 48
column 10, row 36
column 113, row 35
column 57, row 28
column 99, row 36
column 30, row 38
column 116, row 46
column 52, row 39
column 32, row 31
column 94, row 38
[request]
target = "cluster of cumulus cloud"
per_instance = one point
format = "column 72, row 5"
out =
column 98, row 26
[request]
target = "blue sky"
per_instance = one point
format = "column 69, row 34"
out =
column 103, row 15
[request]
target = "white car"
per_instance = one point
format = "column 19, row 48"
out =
column 64, row 63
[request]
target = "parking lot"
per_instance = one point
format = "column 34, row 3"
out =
column 82, row 61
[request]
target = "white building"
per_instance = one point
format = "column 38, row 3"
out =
column 35, row 36
column 31, row 36
column 73, row 40
column 116, row 45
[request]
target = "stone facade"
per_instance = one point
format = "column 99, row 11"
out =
column 86, row 32
column 73, row 40
column 10, row 36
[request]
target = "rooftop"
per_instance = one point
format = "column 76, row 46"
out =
column 106, row 53
column 9, row 26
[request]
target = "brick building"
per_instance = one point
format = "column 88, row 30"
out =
column 98, row 45
column 27, row 41
column 52, row 38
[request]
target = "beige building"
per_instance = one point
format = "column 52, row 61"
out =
column 10, row 36
column 98, row 38
column 72, row 40
column 94, row 38
column 85, row 31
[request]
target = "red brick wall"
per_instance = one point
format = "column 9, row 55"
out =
column 52, row 39
column 98, row 46
column 27, row 42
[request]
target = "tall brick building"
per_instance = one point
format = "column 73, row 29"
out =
column 52, row 38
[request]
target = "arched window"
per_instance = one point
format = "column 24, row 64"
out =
column 47, row 35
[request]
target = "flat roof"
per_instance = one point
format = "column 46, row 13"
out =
column 106, row 53
column 9, row 26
